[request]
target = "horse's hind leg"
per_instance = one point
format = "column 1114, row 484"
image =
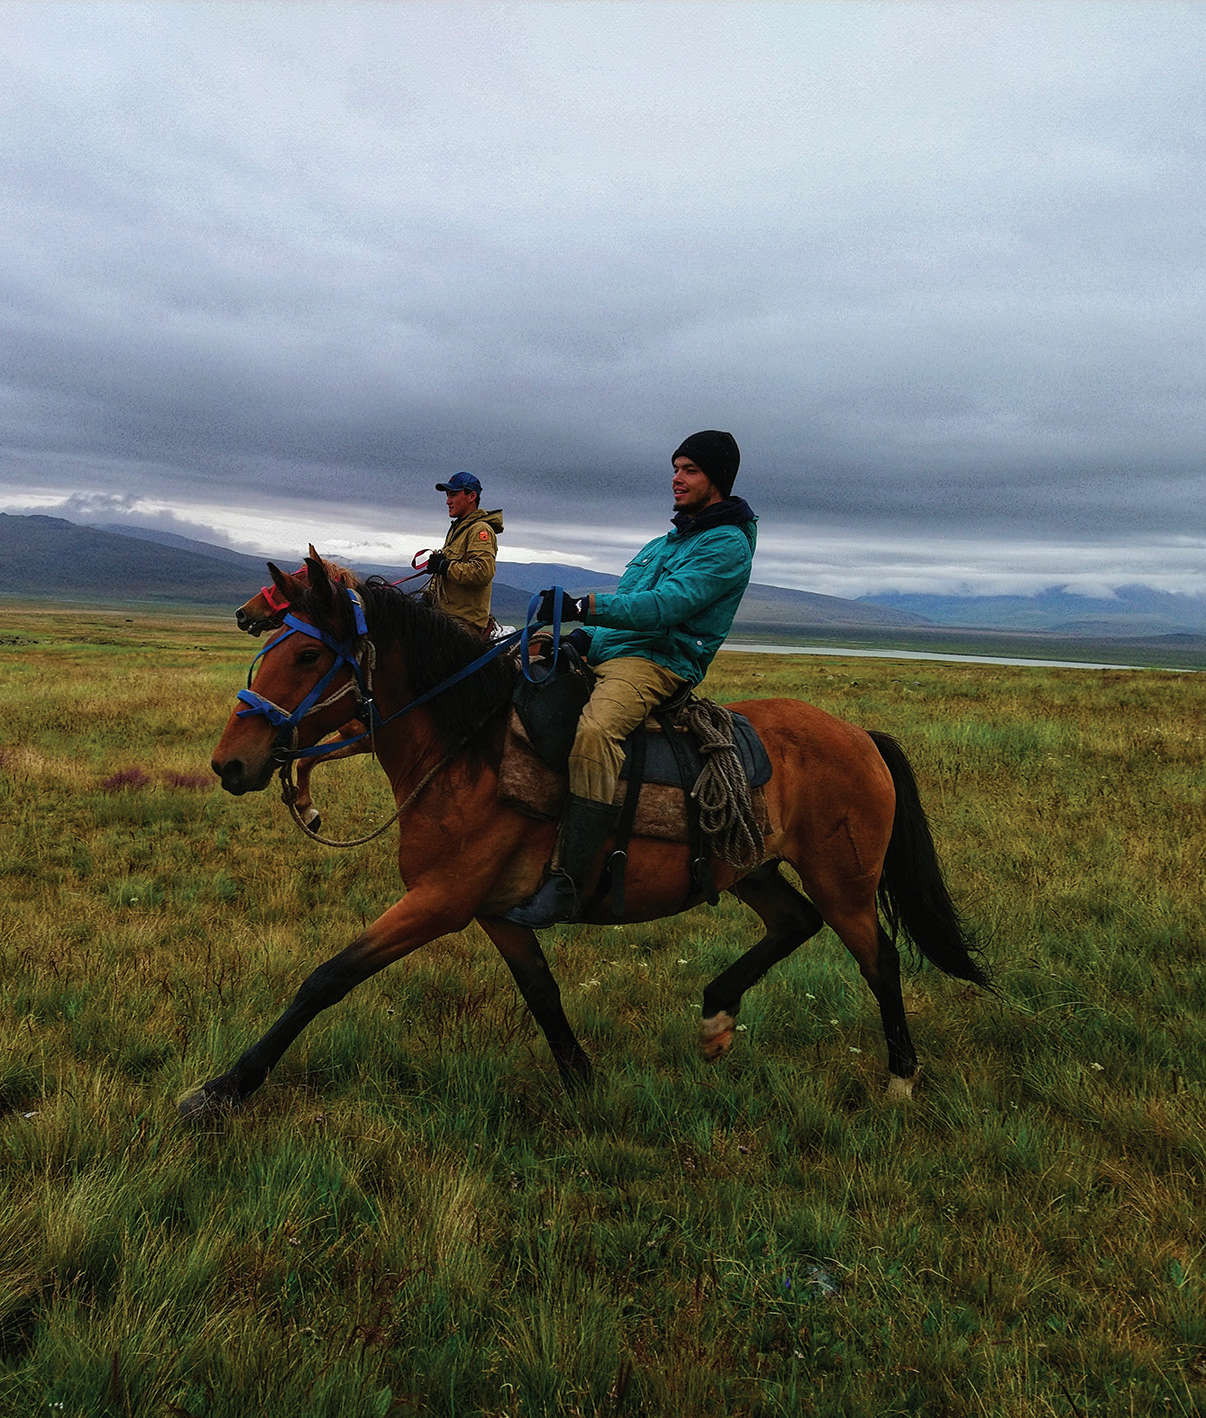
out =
column 789, row 920
column 902, row 1059
column 521, row 950
column 879, row 964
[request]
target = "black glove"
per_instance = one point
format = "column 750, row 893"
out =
column 437, row 563
column 572, row 607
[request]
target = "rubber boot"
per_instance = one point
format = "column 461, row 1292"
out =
column 584, row 829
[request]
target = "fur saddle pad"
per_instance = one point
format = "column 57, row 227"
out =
column 529, row 786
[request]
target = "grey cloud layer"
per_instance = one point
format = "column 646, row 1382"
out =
column 938, row 267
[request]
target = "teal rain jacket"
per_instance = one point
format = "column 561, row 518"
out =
column 676, row 601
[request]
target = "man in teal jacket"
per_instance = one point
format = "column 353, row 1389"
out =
column 657, row 632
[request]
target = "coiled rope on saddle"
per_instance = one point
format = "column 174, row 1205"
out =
column 722, row 791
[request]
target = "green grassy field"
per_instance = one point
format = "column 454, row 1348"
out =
column 411, row 1217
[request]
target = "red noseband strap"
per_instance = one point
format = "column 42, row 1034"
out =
column 277, row 602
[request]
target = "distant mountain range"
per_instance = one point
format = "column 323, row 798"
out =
column 116, row 563
column 763, row 608
column 1132, row 610
column 50, row 557
column 57, row 559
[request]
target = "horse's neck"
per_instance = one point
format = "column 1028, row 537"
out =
column 410, row 747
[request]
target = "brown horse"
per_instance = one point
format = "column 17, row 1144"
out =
column 265, row 611
column 843, row 809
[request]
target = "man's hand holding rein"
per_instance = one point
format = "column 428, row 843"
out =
column 572, row 607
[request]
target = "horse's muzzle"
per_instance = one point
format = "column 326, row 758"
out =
column 238, row 778
column 256, row 626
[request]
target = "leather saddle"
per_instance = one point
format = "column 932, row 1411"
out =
column 664, row 759
column 672, row 754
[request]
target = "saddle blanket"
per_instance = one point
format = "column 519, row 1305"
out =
column 529, row 786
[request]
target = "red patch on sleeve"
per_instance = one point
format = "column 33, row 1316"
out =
column 483, row 535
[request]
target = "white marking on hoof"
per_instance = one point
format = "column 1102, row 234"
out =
column 716, row 1035
column 201, row 1105
column 196, row 1105
column 900, row 1088
column 311, row 819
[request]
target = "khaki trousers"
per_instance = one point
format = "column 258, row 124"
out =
column 625, row 692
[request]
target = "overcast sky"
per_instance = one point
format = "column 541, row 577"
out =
column 268, row 272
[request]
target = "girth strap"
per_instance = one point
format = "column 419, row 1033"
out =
column 702, row 882
column 617, row 864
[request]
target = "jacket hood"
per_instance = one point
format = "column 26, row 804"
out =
column 728, row 512
column 495, row 518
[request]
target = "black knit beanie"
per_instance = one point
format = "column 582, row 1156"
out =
column 714, row 453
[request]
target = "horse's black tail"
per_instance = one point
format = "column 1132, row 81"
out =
column 912, row 892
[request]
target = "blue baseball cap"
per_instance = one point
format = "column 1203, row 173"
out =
column 460, row 482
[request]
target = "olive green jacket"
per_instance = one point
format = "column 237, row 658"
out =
column 471, row 547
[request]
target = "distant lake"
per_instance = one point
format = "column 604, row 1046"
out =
column 926, row 655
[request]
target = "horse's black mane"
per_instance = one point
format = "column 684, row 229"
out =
column 435, row 646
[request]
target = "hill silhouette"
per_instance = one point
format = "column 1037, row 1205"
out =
column 50, row 557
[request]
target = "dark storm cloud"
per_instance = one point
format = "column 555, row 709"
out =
column 938, row 267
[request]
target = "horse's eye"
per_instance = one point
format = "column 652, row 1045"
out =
column 307, row 657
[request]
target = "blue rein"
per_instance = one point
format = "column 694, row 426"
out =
column 349, row 653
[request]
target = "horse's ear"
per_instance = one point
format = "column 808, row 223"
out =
column 320, row 582
column 291, row 587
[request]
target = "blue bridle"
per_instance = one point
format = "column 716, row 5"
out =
column 351, row 654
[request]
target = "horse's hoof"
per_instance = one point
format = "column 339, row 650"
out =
column 716, row 1035
column 203, row 1104
column 899, row 1089
column 312, row 820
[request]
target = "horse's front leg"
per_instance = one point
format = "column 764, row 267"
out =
column 412, row 922
column 521, row 950
column 303, row 803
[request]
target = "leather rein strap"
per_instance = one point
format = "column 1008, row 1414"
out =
column 358, row 655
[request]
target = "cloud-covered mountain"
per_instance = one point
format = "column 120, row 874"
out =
column 1131, row 610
